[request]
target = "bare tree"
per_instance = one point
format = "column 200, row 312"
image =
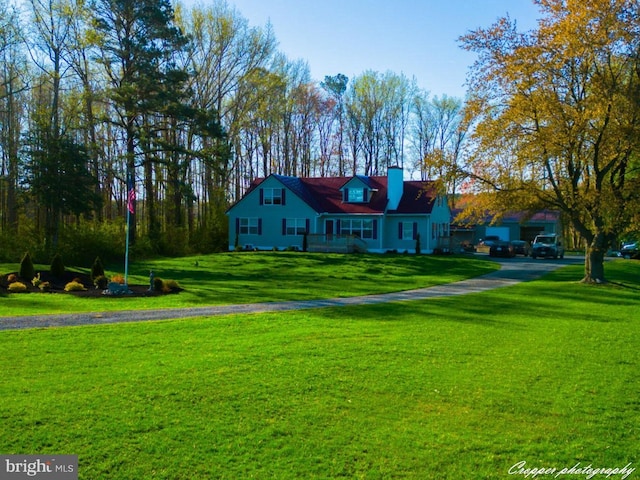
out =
column 13, row 71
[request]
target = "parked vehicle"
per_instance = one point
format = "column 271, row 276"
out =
column 630, row 250
column 521, row 247
column 501, row 248
column 547, row 245
column 485, row 244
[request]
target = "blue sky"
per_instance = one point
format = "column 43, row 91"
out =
column 414, row 37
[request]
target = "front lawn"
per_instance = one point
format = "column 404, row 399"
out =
column 236, row 278
column 544, row 372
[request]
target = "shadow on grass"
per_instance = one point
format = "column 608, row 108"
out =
column 625, row 286
column 558, row 296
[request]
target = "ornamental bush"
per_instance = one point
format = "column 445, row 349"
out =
column 158, row 284
column 74, row 286
column 172, row 285
column 26, row 267
column 17, row 287
column 97, row 269
column 101, row 282
column 57, row 266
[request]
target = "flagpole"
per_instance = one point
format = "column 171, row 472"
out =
column 126, row 249
column 131, row 195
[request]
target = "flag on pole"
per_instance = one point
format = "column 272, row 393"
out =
column 131, row 197
column 131, row 207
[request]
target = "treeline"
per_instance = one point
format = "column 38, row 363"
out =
column 184, row 107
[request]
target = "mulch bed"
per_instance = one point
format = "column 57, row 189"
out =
column 58, row 284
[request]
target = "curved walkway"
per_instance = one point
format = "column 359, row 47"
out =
column 512, row 271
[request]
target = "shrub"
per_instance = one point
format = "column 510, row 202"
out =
column 172, row 285
column 36, row 280
column 26, row 267
column 57, row 266
column 45, row 287
column 74, row 286
column 158, row 284
column 17, row 287
column 12, row 277
column 79, row 243
column 117, row 278
column 101, row 282
column 97, row 269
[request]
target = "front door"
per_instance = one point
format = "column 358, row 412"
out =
column 328, row 228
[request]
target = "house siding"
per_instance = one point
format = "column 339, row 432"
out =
column 270, row 217
column 415, row 225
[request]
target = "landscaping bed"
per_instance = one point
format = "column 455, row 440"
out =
column 57, row 285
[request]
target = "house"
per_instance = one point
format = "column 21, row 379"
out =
column 372, row 213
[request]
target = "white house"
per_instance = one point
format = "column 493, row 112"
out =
column 373, row 213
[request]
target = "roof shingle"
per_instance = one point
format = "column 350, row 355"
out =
column 324, row 194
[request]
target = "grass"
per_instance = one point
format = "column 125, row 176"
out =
column 237, row 278
column 543, row 372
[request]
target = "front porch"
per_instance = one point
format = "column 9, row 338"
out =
column 335, row 243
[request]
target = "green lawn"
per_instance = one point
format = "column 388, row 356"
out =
column 544, row 372
column 236, row 278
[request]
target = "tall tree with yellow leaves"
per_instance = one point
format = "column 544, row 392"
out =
column 557, row 118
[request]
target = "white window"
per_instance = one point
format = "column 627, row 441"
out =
column 248, row 226
column 272, row 196
column 360, row 228
column 296, row 226
column 356, row 195
column 407, row 230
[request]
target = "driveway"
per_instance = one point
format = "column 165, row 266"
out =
column 512, row 271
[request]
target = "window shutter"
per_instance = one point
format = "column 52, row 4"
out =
column 284, row 226
column 338, row 232
column 307, row 224
column 399, row 230
column 345, row 194
column 284, row 190
column 259, row 226
column 365, row 195
column 415, row 230
column 261, row 196
column 237, row 226
column 375, row 229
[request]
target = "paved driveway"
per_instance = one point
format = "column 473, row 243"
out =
column 514, row 270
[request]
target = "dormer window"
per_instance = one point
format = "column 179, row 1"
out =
column 356, row 195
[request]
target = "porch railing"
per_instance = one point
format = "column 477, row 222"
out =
column 335, row 243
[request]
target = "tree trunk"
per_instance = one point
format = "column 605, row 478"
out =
column 153, row 224
column 594, row 261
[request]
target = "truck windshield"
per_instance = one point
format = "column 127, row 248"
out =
column 545, row 240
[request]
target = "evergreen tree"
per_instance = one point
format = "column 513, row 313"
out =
column 60, row 180
column 140, row 43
